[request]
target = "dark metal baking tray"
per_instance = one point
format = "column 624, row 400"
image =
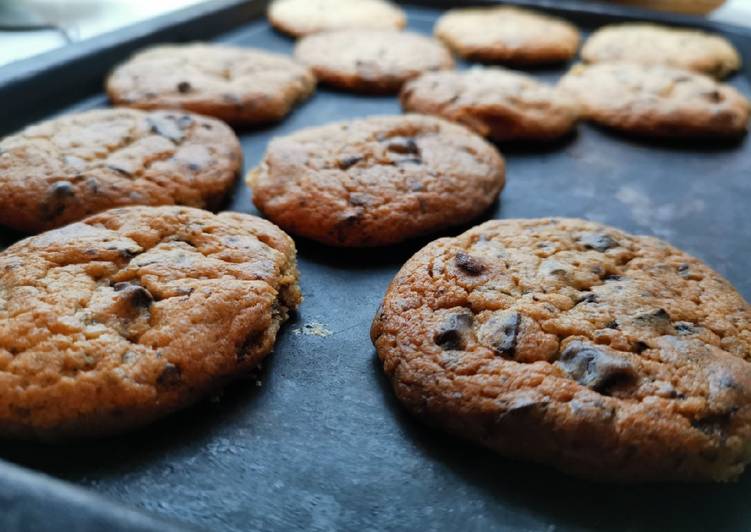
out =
column 319, row 443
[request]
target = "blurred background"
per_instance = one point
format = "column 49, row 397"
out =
column 31, row 27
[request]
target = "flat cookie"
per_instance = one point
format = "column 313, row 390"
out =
column 657, row 101
column 304, row 17
column 59, row 171
column 508, row 35
column 371, row 60
column 496, row 103
column 113, row 322
column 570, row 343
column 238, row 85
column 661, row 45
column 377, row 181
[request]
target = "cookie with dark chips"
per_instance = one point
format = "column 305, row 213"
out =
column 238, row 85
column 371, row 60
column 657, row 101
column 607, row 355
column 378, row 180
column 61, row 170
column 115, row 321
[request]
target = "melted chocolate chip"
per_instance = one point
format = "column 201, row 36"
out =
column 506, row 334
column 136, row 295
column 119, row 170
column 184, row 87
column 469, row 264
column 598, row 242
column 171, row 375
column 168, row 126
column 613, row 325
column 348, row 162
column 639, row 347
column 613, row 278
column 588, row 298
column 251, row 342
column 451, row 333
column 404, row 145
column 685, row 328
column 657, row 317
column 716, row 425
column 595, row 368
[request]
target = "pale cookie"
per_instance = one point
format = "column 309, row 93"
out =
column 303, row 17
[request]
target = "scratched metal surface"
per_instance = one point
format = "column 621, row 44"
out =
column 319, row 443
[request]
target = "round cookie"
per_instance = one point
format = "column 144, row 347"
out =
column 238, row 85
column 61, row 170
column 652, row 44
column 371, row 60
column 657, row 101
column 607, row 355
column 496, row 103
column 378, row 180
column 304, row 17
column 110, row 323
column 507, row 34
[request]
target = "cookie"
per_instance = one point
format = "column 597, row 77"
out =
column 652, row 44
column 62, row 170
column 496, row 103
column 376, row 181
column 657, row 101
column 238, row 85
column 508, row 35
column 606, row 355
column 371, row 60
column 110, row 323
column 304, row 17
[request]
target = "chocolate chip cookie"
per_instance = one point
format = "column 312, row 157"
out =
column 657, row 101
column 371, row 60
column 607, row 355
column 652, row 44
column 66, row 168
column 496, row 103
column 238, row 85
column 110, row 323
column 377, row 181
column 508, row 35
column 303, row 17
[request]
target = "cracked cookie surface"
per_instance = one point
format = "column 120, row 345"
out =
column 378, row 180
column 371, row 60
column 238, row 85
column 607, row 355
column 62, row 170
column 303, row 17
column 653, row 44
column 112, row 322
column 496, row 103
column 657, row 101
column 508, row 35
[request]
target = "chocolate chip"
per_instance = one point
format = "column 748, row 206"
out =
column 595, row 368
column 613, row 278
column 685, row 328
column 193, row 167
column 683, row 268
column 359, row 199
column 613, row 325
column 505, row 333
column 184, row 121
column 639, row 347
column 410, row 160
column 657, row 317
column 404, row 145
column 451, row 333
column 251, row 342
column 136, row 295
column 716, row 425
column 184, row 87
column 713, row 96
column 171, row 375
column 59, row 195
column 588, row 298
column 469, row 264
column 598, row 242
column 119, row 170
column 348, row 162
column 63, row 189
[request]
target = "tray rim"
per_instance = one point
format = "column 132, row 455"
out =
column 217, row 17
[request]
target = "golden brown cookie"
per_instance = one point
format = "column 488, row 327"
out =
column 376, row 181
column 371, row 60
column 61, row 170
column 303, row 17
column 238, row 85
column 652, row 44
column 113, row 322
column 508, row 35
column 496, row 103
column 657, row 101
column 607, row 355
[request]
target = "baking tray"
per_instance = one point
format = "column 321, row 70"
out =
column 317, row 440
